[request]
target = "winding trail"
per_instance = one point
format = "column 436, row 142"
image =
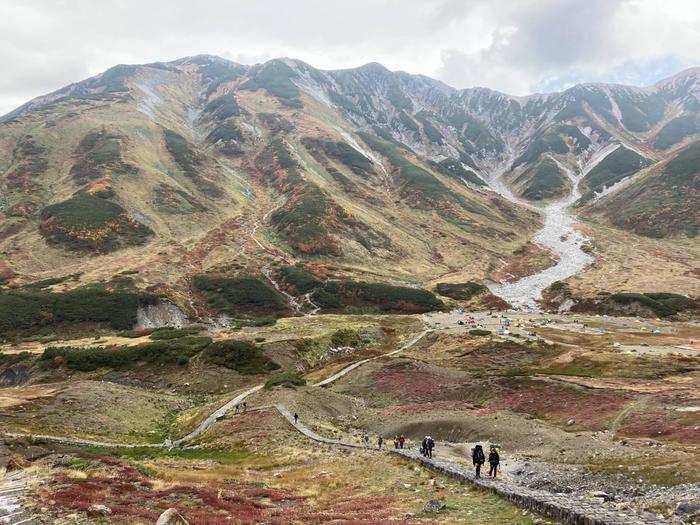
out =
column 358, row 364
column 562, row 507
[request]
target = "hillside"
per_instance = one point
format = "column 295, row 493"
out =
column 167, row 172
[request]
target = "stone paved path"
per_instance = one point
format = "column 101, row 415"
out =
column 561, row 507
column 14, row 488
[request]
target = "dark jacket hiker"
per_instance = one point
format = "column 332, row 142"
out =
column 478, row 459
column 494, row 460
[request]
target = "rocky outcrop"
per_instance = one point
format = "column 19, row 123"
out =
column 160, row 314
column 171, row 517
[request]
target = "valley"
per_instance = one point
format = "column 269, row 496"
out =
column 192, row 252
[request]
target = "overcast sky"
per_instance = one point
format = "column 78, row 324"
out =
column 516, row 46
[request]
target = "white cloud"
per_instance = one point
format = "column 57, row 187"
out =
column 515, row 46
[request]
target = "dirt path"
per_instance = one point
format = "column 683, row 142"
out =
column 357, row 364
column 209, row 421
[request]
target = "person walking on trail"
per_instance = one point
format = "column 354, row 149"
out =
column 245, row 406
column 494, row 460
column 365, row 438
column 296, row 418
column 402, row 440
column 424, row 446
column 478, row 459
column 396, row 441
column 380, row 442
column 430, row 446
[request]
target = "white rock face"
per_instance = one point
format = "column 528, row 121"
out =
column 163, row 313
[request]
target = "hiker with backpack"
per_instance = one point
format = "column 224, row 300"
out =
column 430, row 445
column 396, row 441
column 494, row 461
column 478, row 459
column 380, row 442
column 424, row 446
column 402, row 440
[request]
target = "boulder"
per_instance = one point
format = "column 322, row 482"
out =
column 171, row 517
column 433, row 506
column 99, row 510
column 687, row 508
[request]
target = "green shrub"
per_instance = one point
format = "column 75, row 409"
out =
column 676, row 130
column 223, row 107
column 239, row 294
column 460, row 291
column 173, row 333
column 549, row 142
column 345, row 337
column 11, row 359
column 662, row 304
column 384, row 297
column 26, row 310
column 613, row 168
column 286, row 378
column 343, row 153
column 226, row 132
column 543, row 180
column 303, row 281
column 241, row 356
column 86, row 222
column 479, row 332
column 429, row 129
column 275, row 78
column 182, row 152
column 99, row 154
column 175, row 352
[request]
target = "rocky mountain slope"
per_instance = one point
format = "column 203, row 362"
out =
column 170, row 171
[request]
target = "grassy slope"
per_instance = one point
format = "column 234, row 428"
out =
column 663, row 203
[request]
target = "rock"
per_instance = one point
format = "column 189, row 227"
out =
column 433, row 506
column 687, row 508
column 570, row 422
column 99, row 510
column 171, row 517
column 601, row 495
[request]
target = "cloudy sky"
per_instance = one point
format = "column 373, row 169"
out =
column 516, row 46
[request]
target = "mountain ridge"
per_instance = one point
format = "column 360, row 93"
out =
column 382, row 175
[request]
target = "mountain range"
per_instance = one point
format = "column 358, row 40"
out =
column 168, row 173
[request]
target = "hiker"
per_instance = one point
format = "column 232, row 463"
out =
column 402, row 440
column 296, row 418
column 396, row 441
column 237, row 408
column 430, row 445
column 365, row 438
column 478, row 459
column 424, row 446
column 494, row 460
column 245, row 406
column 380, row 442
